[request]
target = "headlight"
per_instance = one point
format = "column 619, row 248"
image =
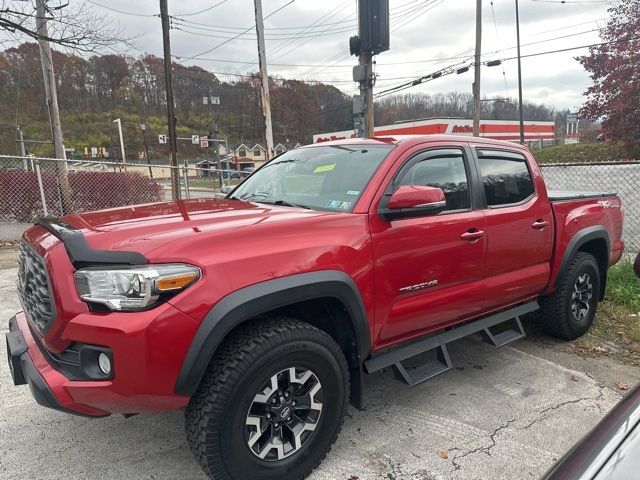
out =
column 133, row 288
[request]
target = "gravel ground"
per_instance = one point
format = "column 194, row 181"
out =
column 500, row 414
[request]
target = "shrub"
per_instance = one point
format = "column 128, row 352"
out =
column 20, row 195
column 99, row 190
column 582, row 152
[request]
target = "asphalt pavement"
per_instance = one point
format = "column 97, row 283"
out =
column 501, row 414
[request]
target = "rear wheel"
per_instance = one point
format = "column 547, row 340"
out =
column 569, row 311
column 271, row 403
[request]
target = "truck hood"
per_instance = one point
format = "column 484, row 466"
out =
column 144, row 228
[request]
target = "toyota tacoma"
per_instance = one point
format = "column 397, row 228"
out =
column 260, row 313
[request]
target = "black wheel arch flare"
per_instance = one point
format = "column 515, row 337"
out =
column 581, row 238
column 252, row 301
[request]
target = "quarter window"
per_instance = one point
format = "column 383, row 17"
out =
column 447, row 173
column 506, row 179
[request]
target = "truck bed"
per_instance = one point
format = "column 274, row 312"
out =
column 559, row 195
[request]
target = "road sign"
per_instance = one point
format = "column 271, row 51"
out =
column 204, row 143
column 162, row 139
column 195, row 139
column 572, row 117
column 211, row 100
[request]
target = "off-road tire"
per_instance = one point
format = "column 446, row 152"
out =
column 215, row 417
column 555, row 316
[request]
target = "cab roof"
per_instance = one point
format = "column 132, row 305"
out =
column 415, row 139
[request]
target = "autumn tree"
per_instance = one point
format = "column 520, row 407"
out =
column 614, row 67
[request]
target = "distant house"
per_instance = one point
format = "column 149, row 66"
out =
column 280, row 149
column 245, row 156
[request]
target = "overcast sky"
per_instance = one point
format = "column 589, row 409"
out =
column 426, row 34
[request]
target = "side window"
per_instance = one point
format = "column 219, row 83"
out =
column 506, row 179
column 447, row 173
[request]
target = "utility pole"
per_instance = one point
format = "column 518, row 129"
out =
column 519, row 76
column 171, row 117
column 476, row 80
column 52, row 104
column 372, row 39
column 266, row 100
column 124, row 158
column 366, row 91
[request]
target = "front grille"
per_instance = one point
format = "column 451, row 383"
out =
column 34, row 289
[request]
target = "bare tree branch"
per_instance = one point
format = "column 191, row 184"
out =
column 75, row 28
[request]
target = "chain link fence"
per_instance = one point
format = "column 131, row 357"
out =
column 620, row 177
column 31, row 187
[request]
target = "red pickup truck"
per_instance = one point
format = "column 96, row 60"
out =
column 260, row 313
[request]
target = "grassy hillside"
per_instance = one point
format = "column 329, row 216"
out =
column 582, row 152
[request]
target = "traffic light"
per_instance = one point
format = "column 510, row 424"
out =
column 373, row 20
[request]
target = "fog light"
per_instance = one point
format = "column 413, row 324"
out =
column 105, row 363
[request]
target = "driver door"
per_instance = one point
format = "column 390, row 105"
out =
column 429, row 269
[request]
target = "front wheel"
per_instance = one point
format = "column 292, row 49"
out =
column 569, row 311
column 271, row 404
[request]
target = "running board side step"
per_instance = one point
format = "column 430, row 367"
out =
column 414, row 376
column 516, row 332
column 439, row 341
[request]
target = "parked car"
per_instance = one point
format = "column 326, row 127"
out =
column 610, row 451
column 244, row 173
column 259, row 313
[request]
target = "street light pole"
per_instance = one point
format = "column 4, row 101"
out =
column 143, row 128
column 124, row 159
column 519, row 76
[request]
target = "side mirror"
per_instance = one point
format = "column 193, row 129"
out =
column 414, row 201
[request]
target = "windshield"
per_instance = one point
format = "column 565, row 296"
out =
column 328, row 177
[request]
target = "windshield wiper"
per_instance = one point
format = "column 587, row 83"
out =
column 284, row 203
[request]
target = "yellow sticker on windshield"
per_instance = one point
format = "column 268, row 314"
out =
column 324, row 168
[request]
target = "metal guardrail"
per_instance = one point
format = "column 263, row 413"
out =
column 30, row 187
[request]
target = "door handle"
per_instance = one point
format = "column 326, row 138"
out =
column 539, row 224
column 472, row 235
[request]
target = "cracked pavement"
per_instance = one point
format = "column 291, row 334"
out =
column 508, row 413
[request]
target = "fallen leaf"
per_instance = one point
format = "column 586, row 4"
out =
column 574, row 378
column 443, row 454
column 599, row 349
column 622, row 386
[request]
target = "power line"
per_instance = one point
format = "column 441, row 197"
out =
column 252, row 37
column 200, row 11
column 122, row 11
column 572, row 1
column 418, row 11
column 321, row 21
column 549, row 52
column 495, row 25
column 233, row 38
column 225, row 27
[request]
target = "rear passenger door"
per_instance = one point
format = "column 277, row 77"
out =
column 519, row 227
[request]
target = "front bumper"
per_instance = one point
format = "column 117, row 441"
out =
column 148, row 349
column 23, row 371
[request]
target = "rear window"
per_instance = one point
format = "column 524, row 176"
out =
column 506, row 178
